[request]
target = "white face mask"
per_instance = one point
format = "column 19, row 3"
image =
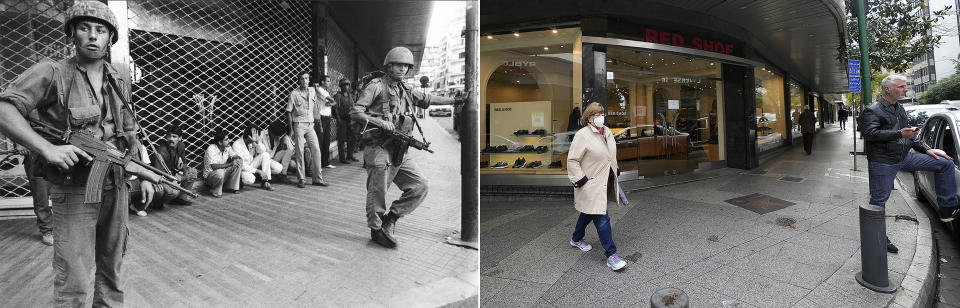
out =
column 598, row 121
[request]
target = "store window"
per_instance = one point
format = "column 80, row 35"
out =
column 771, row 113
column 530, row 93
column 663, row 110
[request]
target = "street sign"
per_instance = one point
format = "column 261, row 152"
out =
column 854, row 82
column 853, row 73
column 853, row 67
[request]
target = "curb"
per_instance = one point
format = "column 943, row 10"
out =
column 919, row 285
column 462, row 290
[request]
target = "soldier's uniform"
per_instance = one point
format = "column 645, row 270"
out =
column 90, row 231
column 385, row 101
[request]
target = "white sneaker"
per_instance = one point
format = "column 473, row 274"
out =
column 615, row 263
column 582, row 245
column 330, row 167
column 142, row 213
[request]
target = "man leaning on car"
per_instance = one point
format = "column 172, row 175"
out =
column 888, row 141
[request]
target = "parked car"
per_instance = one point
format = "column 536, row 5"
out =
column 940, row 131
column 440, row 112
column 954, row 103
column 917, row 114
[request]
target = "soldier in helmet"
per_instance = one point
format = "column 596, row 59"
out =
column 385, row 102
column 78, row 94
column 346, row 138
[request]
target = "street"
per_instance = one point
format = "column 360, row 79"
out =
column 288, row 247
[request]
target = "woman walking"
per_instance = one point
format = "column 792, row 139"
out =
column 592, row 167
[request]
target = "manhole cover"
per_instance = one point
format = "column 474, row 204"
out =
column 760, row 203
column 786, row 222
column 791, row 179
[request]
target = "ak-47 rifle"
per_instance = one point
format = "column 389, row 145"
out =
column 104, row 156
column 396, row 135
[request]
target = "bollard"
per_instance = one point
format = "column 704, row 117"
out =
column 669, row 298
column 873, row 251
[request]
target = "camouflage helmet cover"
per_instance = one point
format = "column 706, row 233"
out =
column 91, row 9
column 399, row 55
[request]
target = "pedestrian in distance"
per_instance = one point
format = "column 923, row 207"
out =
column 842, row 115
column 323, row 118
column 888, row 141
column 346, row 137
column 808, row 127
column 89, row 215
column 593, row 170
column 385, row 107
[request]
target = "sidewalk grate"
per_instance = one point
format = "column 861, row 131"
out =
column 760, row 203
column 792, row 179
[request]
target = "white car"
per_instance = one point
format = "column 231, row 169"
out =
column 940, row 132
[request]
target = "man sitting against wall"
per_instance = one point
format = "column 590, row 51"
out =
column 171, row 157
column 221, row 166
column 256, row 160
column 277, row 140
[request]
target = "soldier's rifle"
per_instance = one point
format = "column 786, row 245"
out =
column 104, row 155
column 399, row 136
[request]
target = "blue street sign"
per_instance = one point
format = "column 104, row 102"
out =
column 854, row 82
column 853, row 67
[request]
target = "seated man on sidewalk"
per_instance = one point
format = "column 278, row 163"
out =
column 171, row 157
column 256, row 159
column 277, row 140
column 888, row 141
column 221, row 166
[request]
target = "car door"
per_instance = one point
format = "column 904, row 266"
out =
column 931, row 136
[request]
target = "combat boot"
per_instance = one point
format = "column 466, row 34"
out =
column 379, row 237
column 389, row 222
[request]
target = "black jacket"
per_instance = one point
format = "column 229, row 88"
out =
column 881, row 131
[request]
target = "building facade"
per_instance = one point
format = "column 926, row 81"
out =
column 687, row 86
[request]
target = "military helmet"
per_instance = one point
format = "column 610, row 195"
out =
column 91, row 9
column 399, row 55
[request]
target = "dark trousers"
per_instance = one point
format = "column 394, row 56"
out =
column 808, row 142
column 882, row 176
column 323, row 133
column 40, row 189
column 604, row 231
column 346, row 139
column 843, row 123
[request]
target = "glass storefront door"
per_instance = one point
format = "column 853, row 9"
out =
column 663, row 110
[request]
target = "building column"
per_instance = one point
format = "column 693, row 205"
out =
column 594, row 75
column 789, row 109
column 740, row 115
column 318, row 30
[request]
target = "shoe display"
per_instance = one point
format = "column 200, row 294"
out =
column 948, row 214
column 526, row 148
column 489, row 149
column 47, row 239
column 521, row 132
column 582, row 245
column 499, row 165
column 541, row 132
column 541, row 149
column 535, row 164
column 516, row 162
column 520, row 162
column 556, row 164
column 501, row 148
column 615, row 263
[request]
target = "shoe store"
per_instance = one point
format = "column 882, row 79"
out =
column 705, row 86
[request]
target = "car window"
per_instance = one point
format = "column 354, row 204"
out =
column 946, row 142
column 929, row 133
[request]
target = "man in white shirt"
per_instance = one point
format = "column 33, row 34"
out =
column 322, row 119
column 221, row 165
column 256, row 159
column 300, row 108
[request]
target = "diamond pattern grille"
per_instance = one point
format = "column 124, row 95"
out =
column 30, row 32
column 208, row 65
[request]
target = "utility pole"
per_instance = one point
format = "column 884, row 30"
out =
column 469, row 148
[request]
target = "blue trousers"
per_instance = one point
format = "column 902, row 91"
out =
column 882, row 177
column 602, row 222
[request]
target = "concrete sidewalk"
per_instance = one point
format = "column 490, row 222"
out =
column 689, row 237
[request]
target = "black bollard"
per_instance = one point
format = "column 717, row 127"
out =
column 873, row 251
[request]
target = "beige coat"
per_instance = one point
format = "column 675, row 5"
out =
column 590, row 156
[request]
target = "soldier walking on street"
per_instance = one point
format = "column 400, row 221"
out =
column 387, row 103
column 80, row 94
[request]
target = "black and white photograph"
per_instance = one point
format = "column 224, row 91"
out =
column 279, row 153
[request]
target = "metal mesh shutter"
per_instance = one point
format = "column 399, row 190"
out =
column 340, row 54
column 31, row 31
column 206, row 65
